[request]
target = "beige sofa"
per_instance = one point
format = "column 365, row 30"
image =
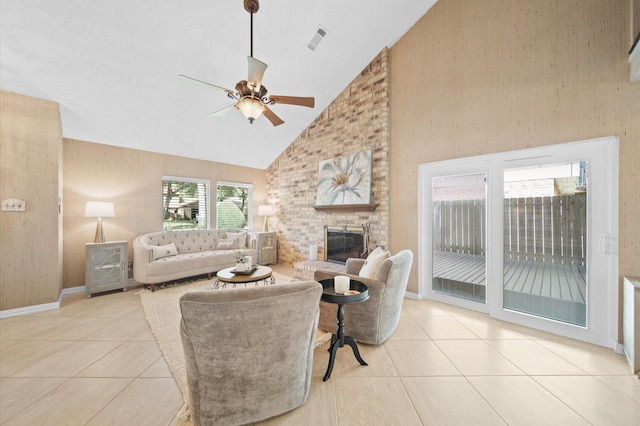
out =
column 159, row 257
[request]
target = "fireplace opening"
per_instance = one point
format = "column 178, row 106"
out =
column 343, row 242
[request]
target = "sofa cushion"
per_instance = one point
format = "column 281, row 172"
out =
column 193, row 241
column 241, row 236
column 228, row 244
column 163, row 251
column 373, row 262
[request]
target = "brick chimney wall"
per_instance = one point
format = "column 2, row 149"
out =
column 356, row 121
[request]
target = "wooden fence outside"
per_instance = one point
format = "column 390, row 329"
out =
column 540, row 229
column 462, row 226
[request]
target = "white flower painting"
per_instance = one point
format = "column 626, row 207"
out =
column 345, row 180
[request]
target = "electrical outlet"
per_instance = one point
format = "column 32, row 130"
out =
column 13, row 205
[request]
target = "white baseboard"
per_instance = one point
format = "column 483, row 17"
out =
column 72, row 290
column 410, row 295
column 26, row 310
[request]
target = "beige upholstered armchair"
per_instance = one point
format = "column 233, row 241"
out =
column 249, row 351
column 375, row 320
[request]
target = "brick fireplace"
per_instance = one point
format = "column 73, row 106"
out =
column 343, row 242
column 356, row 121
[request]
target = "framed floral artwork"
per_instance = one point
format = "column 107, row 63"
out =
column 345, row 180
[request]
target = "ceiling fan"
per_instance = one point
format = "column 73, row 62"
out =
column 250, row 95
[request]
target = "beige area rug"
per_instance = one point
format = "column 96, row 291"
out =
column 163, row 315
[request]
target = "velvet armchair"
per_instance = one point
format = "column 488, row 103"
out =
column 249, row 351
column 374, row 320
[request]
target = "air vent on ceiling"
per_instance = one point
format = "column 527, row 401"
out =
column 317, row 38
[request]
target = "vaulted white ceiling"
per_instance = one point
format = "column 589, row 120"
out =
column 112, row 66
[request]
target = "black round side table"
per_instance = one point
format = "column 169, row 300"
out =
column 338, row 339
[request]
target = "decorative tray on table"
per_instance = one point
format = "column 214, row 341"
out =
column 247, row 272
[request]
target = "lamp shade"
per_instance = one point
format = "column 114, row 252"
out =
column 251, row 108
column 265, row 210
column 99, row 209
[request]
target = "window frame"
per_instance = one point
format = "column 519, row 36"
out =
column 207, row 192
column 249, row 188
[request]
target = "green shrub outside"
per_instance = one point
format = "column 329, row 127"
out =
column 229, row 215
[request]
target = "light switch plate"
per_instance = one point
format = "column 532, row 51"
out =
column 13, row 205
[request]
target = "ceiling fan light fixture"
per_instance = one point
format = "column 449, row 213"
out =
column 250, row 95
column 251, row 108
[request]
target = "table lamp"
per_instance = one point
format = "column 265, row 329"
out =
column 266, row 211
column 99, row 209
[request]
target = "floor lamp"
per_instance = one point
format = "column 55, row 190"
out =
column 99, row 209
column 266, row 211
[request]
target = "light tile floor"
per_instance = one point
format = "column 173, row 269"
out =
column 95, row 362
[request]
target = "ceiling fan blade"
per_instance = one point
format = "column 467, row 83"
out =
column 272, row 117
column 256, row 71
column 184, row 77
column 223, row 111
column 293, row 100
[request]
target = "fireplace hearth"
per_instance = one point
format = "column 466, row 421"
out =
column 343, row 241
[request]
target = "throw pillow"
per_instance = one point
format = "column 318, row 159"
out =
column 241, row 236
column 228, row 244
column 164, row 251
column 373, row 262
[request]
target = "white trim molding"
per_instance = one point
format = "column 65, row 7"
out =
column 27, row 310
column 411, row 295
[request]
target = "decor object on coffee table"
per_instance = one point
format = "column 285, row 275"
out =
column 375, row 320
column 244, row 263
column 244, row 371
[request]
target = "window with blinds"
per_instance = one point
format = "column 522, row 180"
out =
column 185, row 203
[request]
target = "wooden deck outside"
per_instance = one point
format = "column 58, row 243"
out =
column 544, row 251
column 466, row 268
column 550, row 290
column 550, row 280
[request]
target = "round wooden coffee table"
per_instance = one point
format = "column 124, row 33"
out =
column 260, row 273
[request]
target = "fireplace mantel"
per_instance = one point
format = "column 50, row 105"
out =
column 347, row 207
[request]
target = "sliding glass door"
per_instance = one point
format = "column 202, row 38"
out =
column 526, row 236
column 459, row 235
column 545, row 237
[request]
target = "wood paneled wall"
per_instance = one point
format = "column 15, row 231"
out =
column 30, row 241
column 474, row 78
